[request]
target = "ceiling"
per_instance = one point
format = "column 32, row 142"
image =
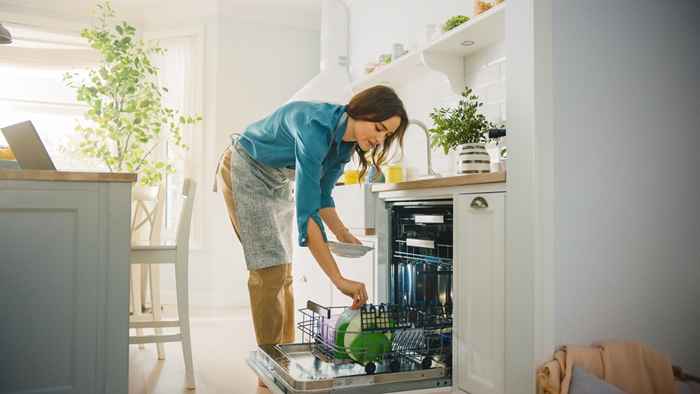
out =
column 135, row 9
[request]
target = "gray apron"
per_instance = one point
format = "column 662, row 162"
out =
column 264, row 208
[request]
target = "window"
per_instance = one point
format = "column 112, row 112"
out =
column 180, row 71
column 31, row 77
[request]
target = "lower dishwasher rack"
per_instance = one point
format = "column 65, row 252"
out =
column 295, row 368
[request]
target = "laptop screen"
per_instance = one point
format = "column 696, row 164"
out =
column 27, row 147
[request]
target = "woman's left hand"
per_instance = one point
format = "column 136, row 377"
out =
column 347, row 237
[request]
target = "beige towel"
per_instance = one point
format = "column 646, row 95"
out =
column 586, row 357
column 549, row 378
column 633, row 367
column 636, row 368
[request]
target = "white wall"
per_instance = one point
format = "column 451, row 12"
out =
column 261, row 63
column 626, row 99
column 376, row 26
column 256, row 57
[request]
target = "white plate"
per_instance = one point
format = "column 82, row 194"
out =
column 348, row 250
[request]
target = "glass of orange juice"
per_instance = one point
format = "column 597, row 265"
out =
column 351, row 177
column 394, row 173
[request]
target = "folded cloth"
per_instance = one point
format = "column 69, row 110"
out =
column 586, row 357
column 633, row 367
column 549, row 378
column 636, row 368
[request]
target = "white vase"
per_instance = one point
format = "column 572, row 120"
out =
column 147, row 198
column 144, row 193
column 473, row 159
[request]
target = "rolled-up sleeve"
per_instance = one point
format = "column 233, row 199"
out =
column 311, row 148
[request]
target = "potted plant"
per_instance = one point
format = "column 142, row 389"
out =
column 453, row 22
column 465, row 129
column 126, row 120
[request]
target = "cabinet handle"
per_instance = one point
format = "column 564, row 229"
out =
column 479, row 203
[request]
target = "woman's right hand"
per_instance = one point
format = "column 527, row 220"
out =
column 354, row 290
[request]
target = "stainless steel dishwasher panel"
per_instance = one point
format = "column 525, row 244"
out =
column 295, row 368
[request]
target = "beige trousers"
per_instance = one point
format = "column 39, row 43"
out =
column 270, row 289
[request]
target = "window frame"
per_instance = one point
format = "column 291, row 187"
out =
column 193, row 165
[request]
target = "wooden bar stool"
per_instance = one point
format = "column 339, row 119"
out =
column 146, row 225
column 177, row 254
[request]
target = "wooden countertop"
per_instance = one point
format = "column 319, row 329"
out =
column 65, row 176
column 458, row 180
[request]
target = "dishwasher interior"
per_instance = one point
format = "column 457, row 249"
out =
column 405, row 343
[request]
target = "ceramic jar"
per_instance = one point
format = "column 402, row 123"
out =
column 473, row 159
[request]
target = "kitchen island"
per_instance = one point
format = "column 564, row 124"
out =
column 64, row 270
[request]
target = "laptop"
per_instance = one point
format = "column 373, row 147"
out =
column 27, row 147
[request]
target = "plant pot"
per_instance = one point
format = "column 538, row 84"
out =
column 473, row 159
column 144, row 193
column 481, row 6
column 143, row 199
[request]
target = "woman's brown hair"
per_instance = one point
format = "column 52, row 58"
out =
column 377, row 104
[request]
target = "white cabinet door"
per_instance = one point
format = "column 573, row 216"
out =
column 310, row 282
column 355, row 205
column 361, row 270
column 479, row 273
column 64, row 287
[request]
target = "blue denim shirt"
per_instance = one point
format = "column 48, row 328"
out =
column 307, row 137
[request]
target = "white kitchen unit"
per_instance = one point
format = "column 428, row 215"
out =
column 475, row 204
column 355, row 205
column 311, row 283
column 64, row 282
column 361, row 269
column 479, row 333
column 478, row 271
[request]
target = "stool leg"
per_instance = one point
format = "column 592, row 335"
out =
column 131, row 293
column 155, row 304
column 136, row 296
column 183, row 312
column 145, row 270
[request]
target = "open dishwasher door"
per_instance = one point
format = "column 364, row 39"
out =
column 418, row 359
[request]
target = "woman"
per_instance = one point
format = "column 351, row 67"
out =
column 311, row 143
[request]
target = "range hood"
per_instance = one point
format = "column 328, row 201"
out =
column 332, row 84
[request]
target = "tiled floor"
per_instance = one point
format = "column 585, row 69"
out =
column 221, row 340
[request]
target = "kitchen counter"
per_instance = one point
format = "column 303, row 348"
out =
column 64, row 248
column 65, row 176
column 458, row 180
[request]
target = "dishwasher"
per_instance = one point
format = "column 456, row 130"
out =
column 415, row 319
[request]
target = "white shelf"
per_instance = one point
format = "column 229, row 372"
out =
column 393, row 74
column 444, row 55
column 483, row 30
